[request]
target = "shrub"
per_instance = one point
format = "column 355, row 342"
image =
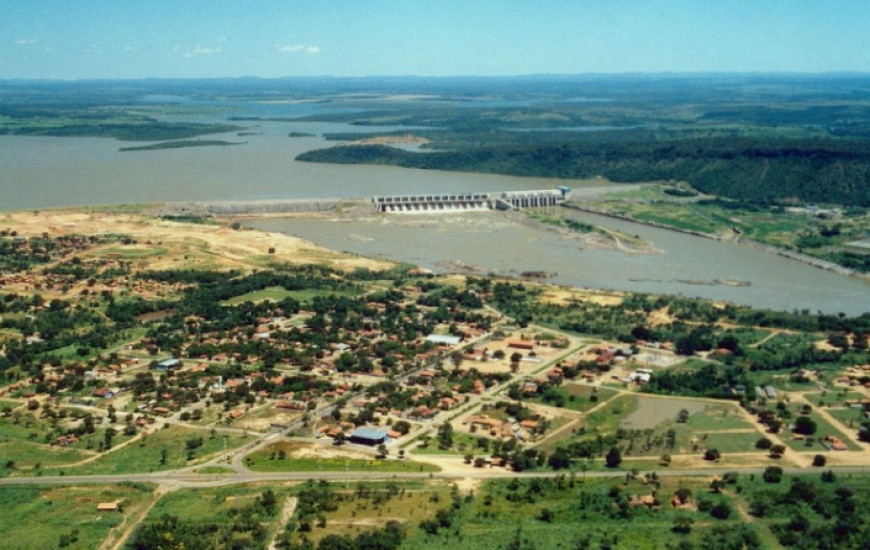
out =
column 712, row 454
column 721, row 511
column 772, row 474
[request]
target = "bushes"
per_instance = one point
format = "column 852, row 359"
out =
column 772, row 474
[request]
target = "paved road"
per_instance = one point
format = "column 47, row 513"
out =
column 180, row 479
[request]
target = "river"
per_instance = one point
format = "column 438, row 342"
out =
column 47, row 172
column 686, row 265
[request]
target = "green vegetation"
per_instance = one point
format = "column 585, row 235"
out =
column 179, row 145
column 165, row 449
column 268, row 459
column 225, row 518
column 65, row 516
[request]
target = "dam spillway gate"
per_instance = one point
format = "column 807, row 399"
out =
column 459, row 202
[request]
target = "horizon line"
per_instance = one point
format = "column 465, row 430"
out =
column 457, row 76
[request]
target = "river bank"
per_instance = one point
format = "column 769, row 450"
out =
column 770, row 249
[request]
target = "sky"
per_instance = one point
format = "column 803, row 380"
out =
column 84, row 39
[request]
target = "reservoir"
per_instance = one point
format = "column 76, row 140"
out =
column 47, row 172
column 686, row 265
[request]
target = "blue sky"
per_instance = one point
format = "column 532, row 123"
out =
column 217, row 38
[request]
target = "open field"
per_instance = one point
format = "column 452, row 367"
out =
column 40, row 517
column 164, row 449
column 324, row 458
column 276, row 294
column 191, row 245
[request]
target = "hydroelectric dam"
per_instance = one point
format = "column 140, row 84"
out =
column 430, row 204
column 461, row 202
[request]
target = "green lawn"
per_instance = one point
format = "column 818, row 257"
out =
column 731, row 442
column 719, row 417
column 579, row 397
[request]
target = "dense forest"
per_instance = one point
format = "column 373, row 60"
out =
column 750, row 169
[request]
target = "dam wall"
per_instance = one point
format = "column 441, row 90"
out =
column 456, row 202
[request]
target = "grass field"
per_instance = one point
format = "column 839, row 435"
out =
column 578, row 397
column 146, row 455
column 723, row 416
column 729, row 442
column 277, row 293
column 267, row 460
column 463, row 444
column 36, row 517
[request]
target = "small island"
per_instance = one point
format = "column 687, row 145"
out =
column 180, row 145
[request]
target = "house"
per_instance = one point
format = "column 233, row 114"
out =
column 834, row 443
column 67, row 440
column 104, row 393
column 108, row 506
column 444, row 339
column 520, row 344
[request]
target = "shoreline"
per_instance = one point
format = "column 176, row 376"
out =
column 768, row 248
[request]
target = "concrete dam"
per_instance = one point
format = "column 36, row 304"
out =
column 461, row 202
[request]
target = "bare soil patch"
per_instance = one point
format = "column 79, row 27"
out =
column 651, row 412
column 185, row 244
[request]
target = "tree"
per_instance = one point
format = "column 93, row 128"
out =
column 763, row 443
column 721, row 511
column 805, row 425
column 683, row 416
column 516, row 357
column 682, row 524
column 819, row 461
column 445, row 436
column 717, row 485
column 456, row 357
column 382, row 451
column 776, row 451
column 561, row 458
column 665, row 459
column 613, row 458
column 772, row 474
column 712, row 454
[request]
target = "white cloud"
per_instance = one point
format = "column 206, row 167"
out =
column 25, row 41
column 296, row 48
column 200, row 50
column 289, row 49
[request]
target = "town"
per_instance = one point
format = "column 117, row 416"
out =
column 127, row 355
